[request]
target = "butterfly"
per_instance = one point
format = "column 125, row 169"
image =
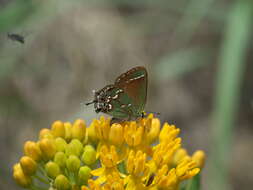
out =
column 16, row 37
column 126, row 98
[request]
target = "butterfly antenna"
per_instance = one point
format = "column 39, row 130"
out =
column 88, row 103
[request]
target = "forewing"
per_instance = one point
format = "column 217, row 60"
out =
column 134, row 83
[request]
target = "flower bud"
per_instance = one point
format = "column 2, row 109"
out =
column 74, row 148
column 199, row 157
column 168, row 132
column 16, row 167
column 28, row 165
column 60, row 144
column 58, row 129
column 154, row 129
column 73, row 163
column 52, row 169
column 84, row 174
column 45, row 133
column 78, row 144
column 86, row 139
column 62, row 183
column 89, row 155
column 48, row 148
column 60, row 158
column 186, row 169
column 79, row 129
column 92, row 133
column 68, row 129
column 83, row 187
column 32, row 150
column 116, row 134
column 19, row 176
column 179, row 155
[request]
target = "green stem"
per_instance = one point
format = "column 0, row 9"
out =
column 194, row 183
column 70, row 176
column 41, row 179
column 43, row 173
column 67, row 173
column 230, row 74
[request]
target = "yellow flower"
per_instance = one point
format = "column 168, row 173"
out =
column 48, row 148
column 68, row 134
column 32, row 150
column 116, row 134
column 89, row 155
column 136, row 163
column 62, row 183
column 101, row 129
column 137, row 169
column 140, row 134
column 114, row 181
column 132, row 155
column 164, row 151
column 168, row 133
column 45, row 133
column 151, row 128
column 79, row 130
column 22, row 179
column 58, row 129
column 166, row 178
column 109, row 156
column 93, row 185
column 109, row 160
column 133, row 134
column 28, row 165
column 179, row 155
column 52, row 169
column 187, row 169
column 199, row 157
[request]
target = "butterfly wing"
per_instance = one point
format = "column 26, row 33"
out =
column 126, row 98
column 118, row 102
column 134, row 83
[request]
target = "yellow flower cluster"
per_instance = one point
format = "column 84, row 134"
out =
column 132, row 155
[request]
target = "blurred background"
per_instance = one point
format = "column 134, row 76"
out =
column 198, row 54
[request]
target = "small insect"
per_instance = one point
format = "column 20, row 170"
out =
column 16, row 37
column 126, row 98
column 150, row 180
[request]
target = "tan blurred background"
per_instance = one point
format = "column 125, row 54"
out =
column 73, row 47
